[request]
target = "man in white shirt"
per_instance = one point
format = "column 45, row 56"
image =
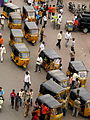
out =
column 2, row 52
column 68, row 36
column 27, row 81
column 42, row 46
column 59, row 38
column 45, row 21
column 38, row 64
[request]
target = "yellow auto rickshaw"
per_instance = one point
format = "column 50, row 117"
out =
column 79, row 68
column 16, row 36
column 60, row 78
column 20, row 55
column 31, row 32
column 84, row 99
column 29, row 12
column 8, row 8
column 69, row 25
column 15, row 20
column 54, row 89
column 54, row 107
column 51, row 60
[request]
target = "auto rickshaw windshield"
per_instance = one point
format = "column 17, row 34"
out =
column 56, row 111
column 18, row 10
column 31, row 14
column 33, row 31
column 17, row 21
column 88, row 105
column 24, row 55
column 18, row 39
column 64, row 84
column 83, row 74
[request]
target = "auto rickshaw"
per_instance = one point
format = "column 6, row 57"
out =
column 54, row 89
column 15, row 20
column 69, row 25
column 20, row 55
column 51, row 60
column 8, row 8
column 16, row 36
column 29, row 12
column 31, row 32
column 79, row 68
column 60, row 78
column 84, row 99
column 55, row 110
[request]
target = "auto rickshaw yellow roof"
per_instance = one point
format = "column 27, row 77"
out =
column 31, row 25
column 17, row 32
column 49, row 101
column 77, row 66
column 58, row 75
column 29, row 8
column 21, row 47
column 11, row 5
column 52, row 87
column 50, row 53
column 15, row 15
column 84, row 94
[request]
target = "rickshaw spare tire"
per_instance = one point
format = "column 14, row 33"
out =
column 85, row 30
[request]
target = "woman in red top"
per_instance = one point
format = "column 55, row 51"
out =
column 49, row 11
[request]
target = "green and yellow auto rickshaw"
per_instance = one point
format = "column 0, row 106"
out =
column 20, row 55
column 54, row 89
column 84, row 99
column 69, row 26
column 31, row 32
column 16, row 36
column 15, row 20
column 60, row 78
column 8, row 8
column 51, row 60
column 79, row 68
column 54, row 107
column 29, row 12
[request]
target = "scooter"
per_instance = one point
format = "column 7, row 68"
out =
column 1, row 102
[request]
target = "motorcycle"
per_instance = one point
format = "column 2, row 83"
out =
column 71, row 7
column 1, row 102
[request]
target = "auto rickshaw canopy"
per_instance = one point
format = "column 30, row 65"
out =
column 31, row 25
column 15, row 15
column 21, row 48
column 49, row 101
column 83, row 93
column 28, row 8
column 17, row 33
column 51, row 87
column 57, row 75
column 50, row 53
column 77, row 66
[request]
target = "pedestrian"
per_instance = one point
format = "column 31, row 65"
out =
column 1, row 40
column 74, row 77
column 41, row 47
column 35, row 114
column 12, row 97
column 2, row 20
column 68, row 37
column 73, row 43
column 76, row 107
column 25, row 95
column 27, row 81
column 2, row 92
column 53, row 10
column 77, row 83
column 59, row 38
column 41, row 34
column 59, row 20
column 72, row 55
column 17, row 102
column 31, row 96
column 26, row 107
column 21, row 93
column 38, row 63
column 2, row 52
column 44, row 21
column 49, row 11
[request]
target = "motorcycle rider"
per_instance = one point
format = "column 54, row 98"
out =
column 1, row 92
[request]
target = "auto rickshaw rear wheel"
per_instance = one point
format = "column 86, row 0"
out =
column 85, row 30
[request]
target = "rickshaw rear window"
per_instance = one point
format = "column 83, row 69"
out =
column 18, row 39
column 17, row 21
column 34, row 31
column 82, row 74
column 24, row 55
column 31, row 14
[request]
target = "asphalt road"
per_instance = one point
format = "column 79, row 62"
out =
column 11, row 76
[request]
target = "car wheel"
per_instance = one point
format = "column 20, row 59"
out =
column 85, row 30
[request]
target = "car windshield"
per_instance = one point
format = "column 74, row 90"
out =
column 17, row 21
column 31, row 14
column 33, row 31
column 18, row 39
column 24, row 55
column 82, row 74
